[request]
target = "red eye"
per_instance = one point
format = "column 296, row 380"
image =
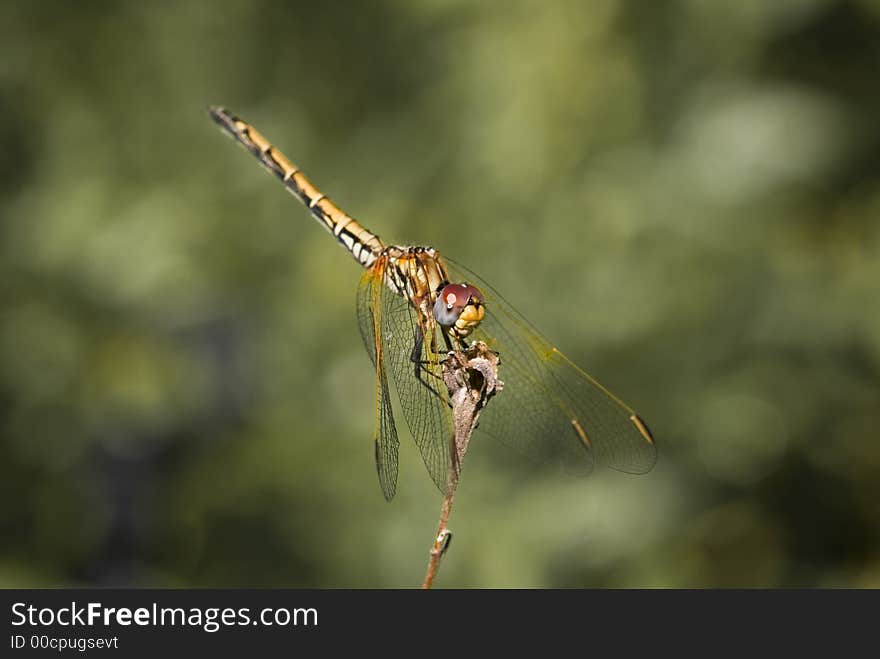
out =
column 474, row 294
column 452, row 300
column 460, row 295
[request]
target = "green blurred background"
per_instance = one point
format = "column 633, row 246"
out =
column 684, row 196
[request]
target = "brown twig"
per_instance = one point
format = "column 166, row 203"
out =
column 441, row 542
column 471, row 378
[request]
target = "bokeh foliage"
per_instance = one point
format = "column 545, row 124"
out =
column 684, row 196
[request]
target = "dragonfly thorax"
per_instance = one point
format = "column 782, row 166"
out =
column 459, row 308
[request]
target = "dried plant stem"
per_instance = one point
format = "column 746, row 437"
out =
column 471, row 377
column 441, row 542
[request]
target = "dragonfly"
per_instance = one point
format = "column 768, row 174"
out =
column 414, row 306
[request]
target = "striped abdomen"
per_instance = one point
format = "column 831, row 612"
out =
column 363, row 245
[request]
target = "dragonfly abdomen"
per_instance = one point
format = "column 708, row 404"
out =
column 363, row 245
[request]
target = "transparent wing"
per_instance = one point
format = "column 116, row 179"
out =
column 550, row 409
column 385, row 434
column 405, row 347
column 417, row 373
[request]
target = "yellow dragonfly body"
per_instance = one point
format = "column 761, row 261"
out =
column 412, row 303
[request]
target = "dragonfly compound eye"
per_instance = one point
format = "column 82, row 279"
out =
column 460, row 307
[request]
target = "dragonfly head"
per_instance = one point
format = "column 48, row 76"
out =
column 459, row 308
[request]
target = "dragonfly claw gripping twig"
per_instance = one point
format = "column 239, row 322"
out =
column 471, row 377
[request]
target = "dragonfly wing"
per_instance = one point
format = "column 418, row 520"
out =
column 417, row 373
column 385, row 435
column 550, row 409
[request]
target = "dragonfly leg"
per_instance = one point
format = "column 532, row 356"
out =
column 447, row 341
column 462, row 344
column 421, row 368
column 415, row 355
